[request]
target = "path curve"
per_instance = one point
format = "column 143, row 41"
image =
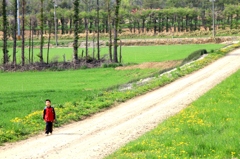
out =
column 103, row 133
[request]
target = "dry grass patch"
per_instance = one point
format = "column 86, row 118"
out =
column 156, row 65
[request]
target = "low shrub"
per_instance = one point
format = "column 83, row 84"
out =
column 195, row 55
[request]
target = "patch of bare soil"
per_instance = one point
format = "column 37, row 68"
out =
column 158, row 65
column 104, row 133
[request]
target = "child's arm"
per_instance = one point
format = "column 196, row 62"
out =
column 54, row 114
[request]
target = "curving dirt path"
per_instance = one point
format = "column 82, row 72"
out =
column 103, row 133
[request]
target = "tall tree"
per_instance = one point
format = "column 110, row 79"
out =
column 98, row 30
column 41, row 34
column 116, row 27
column 23, row 31
column 34, row 25
column 15, row 31
column 152, row 4
column 86, row 19
column 49, row 35
column 30, row 38
column 76, row 29
column 69, row 14
column 5, row 30
column 109, row 29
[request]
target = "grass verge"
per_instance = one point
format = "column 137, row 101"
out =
column 208, row 128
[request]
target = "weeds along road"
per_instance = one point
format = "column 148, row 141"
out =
column 103, row 133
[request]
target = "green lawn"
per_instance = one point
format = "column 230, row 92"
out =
column 208, row 128
column 163, row 53
column 23, row 93
column 136, row 54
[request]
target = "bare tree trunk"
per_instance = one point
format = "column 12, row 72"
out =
column 62, row 20
column 15, row 33
column 143, row 25
column 5, row 31
column 93, row 51
column 41, row 28
column 120, row 54
column 29, row 51
column 76, row 29
column 32, row 46
column 23, row 32
column 70, row 25
column 86, row 24
column 116, row 26
column 186, row 23
column 98, row 30
column 110, row 30
column 49, row 39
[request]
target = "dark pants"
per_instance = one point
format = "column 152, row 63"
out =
column 49, row 127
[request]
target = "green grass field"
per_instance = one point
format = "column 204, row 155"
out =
column 23, row 93
column 208, row 128
column 138, row 54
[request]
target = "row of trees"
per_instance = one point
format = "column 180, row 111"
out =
column 182, row 19
column 104, row 16
column 32, row 5
column 9, row 28
column 191, row 17
column 159, row 19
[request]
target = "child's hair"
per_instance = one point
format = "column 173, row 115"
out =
column 48, row 100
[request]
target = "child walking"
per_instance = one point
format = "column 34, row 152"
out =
column 49, row 117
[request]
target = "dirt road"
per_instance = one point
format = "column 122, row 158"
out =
column 105, row 132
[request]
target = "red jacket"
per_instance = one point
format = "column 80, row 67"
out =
column 49, row 114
